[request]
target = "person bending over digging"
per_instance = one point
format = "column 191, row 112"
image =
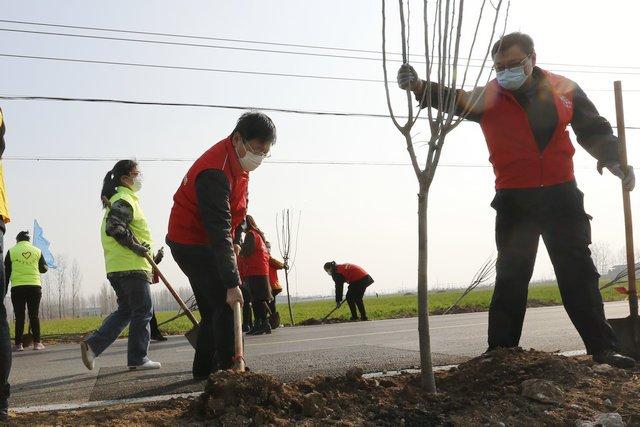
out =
column 125, row 240
column 524, row 114
column 358, row 281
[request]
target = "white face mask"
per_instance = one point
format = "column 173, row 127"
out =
column 250, row 161
column 136, row 183
column 512, row 78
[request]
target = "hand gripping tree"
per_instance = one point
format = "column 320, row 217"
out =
column 446, row 107
column 285, row 246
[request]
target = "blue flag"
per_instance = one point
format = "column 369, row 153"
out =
column 41, row 243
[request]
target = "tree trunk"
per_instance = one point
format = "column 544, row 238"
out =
column 426, row 365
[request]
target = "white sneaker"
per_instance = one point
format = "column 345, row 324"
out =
column 38, row 346
column 18, row 347
column 148, row 365
column 88, row 356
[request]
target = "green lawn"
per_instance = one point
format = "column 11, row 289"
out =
column 382, row 307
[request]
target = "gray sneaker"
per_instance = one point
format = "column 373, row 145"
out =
column 88, row 356
column 146, row 366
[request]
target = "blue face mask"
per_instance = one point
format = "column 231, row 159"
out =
column 511, row 78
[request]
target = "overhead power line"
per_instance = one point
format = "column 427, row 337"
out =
column 223, row 70
column 219, row 106
column 287, row 52
column 267, row 43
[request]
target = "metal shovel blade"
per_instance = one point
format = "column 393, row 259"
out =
column 627, row 331
column 192, row 336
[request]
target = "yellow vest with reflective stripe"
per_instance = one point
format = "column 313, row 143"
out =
column 24, row 264
column 118, row 257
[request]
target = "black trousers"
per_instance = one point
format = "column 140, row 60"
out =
column 5, row 340
column 215, row 348
column 26, row 297
column 355, row 293
column 557, row 214
column 247, row 317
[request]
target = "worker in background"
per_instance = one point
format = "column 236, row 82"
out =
column 126, row 240
column 247, row 316
column 255, row 259
column 23, row 265
column 524, row 114
column 5, row 339
column 209, row 205
column 276, row 288
column 358, row 281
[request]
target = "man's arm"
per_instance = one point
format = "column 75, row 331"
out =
column 42, row 265
column 593, row 131
column 595, row 135
column 427, row 94
column 117, row 226
column 213, row 192
column 339, row 280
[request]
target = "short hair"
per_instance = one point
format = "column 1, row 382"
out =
column 256, row 125
column 23, row 236
column 524, row 41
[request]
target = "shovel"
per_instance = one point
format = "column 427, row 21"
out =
column 334, row 309
column 191, row 334
column 238, row 359
column 627, row 329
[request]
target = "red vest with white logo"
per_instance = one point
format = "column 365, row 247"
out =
column 351, row 272
column 256, row 264
column 517, row 161
column 185, row 224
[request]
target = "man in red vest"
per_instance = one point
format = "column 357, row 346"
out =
column 210, row 203
column 524, row 114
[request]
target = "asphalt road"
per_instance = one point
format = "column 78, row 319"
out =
column 57, row 374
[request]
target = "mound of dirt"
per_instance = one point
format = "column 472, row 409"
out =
column 313, row 321
column 505, row 387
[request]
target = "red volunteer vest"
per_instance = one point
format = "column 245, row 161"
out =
column 274, row 266
column 185, row 224
column 256, row 264
column 351, row 272
column 513, row 151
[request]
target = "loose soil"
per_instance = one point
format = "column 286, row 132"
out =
column 486, row 390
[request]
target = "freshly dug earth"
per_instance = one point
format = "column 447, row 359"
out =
column 487, row 390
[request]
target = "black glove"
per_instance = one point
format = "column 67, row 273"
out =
column 142, row 249
column 408, row 78
column 159, row 255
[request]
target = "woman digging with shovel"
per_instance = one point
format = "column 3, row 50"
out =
column 358, row 281
column 126, row 240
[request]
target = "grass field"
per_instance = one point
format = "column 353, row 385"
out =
column 382, row 307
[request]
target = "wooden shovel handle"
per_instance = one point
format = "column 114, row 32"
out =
column 239, row 345
column 626, row 202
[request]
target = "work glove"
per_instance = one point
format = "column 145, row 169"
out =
column 234, row 295
column 408, row 78
column 159, row 256
column 628, row 179
column 142, row 248
column 285, row 266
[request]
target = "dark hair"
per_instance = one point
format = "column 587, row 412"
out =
column 23, row 236
column 331, row 265
column 256, row 125
column 251, row 225
column 112, row 179
column 522, row 40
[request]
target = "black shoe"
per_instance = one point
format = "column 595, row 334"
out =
column 364, row 319
column 158, row 337
column 610, row 357
column 252, row 330
column 354, row 318
column 263, row 328
column 246, row 327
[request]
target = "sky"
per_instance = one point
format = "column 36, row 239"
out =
column 363, row 213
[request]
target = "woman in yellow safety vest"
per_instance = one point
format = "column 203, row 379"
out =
column 126, row 240
column 22, row 265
